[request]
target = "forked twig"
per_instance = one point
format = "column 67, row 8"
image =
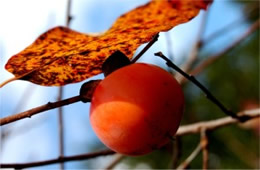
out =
column 202, row 146
column 203, row 88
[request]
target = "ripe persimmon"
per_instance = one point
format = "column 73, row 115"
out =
column 136, row 109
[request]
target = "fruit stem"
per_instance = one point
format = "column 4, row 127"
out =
column 7, row 81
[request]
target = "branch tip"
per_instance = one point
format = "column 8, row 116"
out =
column 154, row 39
column 209, row 95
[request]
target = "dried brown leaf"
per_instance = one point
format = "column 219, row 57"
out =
column 62, row 56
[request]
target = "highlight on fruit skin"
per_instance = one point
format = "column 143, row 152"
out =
column 136, row 109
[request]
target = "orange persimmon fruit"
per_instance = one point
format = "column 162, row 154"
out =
column 136, row 109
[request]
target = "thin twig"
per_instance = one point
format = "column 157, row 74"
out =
column 155, row 38
column 201, row 127
column 214, row 124
column 68, row 13
column 254, row 27
column 176, row 152
column 201, row 146
column 193, row 155
column 186, row 67
column 86, row 92
column 208, row 94
column 58, row 160
column 61, row 127
column 204, row 145
column 31, row 112
column 60, row 96
column 117, row 159
column 195, row 49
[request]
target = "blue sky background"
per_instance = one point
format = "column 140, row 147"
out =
column 23, row 21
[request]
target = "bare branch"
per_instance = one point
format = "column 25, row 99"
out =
column 201, row 146
column 193, row 155
column 60, row 96
column 208, row 94
column 117, row 159
column 204, row 145
column 58, row 160
column 155, row 38
column 176, row 152
column 214, row 124
column 86, row 93
column 68, row 13
column 61, row 127
column 31, row 112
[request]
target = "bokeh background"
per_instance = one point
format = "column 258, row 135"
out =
column 234, row 79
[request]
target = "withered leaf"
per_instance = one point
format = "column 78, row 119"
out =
column 62, row 56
